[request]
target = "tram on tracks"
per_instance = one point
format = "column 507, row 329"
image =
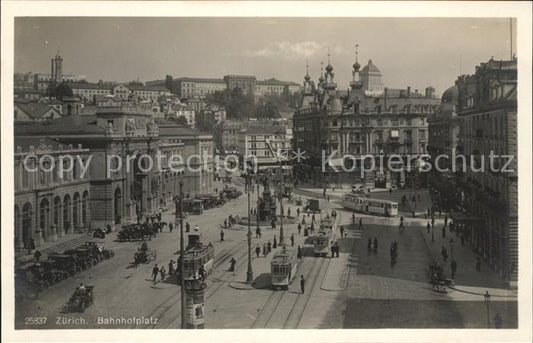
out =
column 367, row 205
column 283, row 268
column 197, row 254
column 326, row 235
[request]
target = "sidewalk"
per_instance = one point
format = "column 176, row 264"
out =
column 466, row 274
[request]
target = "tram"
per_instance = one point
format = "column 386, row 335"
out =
column 283, row 267
column 367, row 205
column 197, row 254
column 326, row 234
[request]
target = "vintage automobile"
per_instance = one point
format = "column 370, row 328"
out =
column 80, row 299
column 66, row 263
column 105, row 253
column 137, row 231
column 99, row 233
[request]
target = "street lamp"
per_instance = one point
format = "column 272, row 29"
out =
column 249, row 272
column 182, row 248
column 281, row 237
column 486, row 298
column 452, row 244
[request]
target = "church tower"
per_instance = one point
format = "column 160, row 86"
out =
column 56, row 73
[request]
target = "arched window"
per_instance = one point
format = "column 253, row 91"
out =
column 66, row 213
column 84, row 207
column 26, row 224
column 57, row 210
column 75, row 210
column 44, row 208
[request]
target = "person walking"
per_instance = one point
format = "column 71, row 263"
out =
column 432, row 220
column 221, row 235
column 292, row 239
column 155, row 271
column 163, row 272
column 171, row 268
column 332, row 250
column 446, row 219
column 299, row 254
column 298, row 212
column 302, row 283
column 264, row 249
column 303, row 220
column 342, row 231
column 454, row 268
column 369, row 244
column 225, row 223
column 498, row 321
column 257, row 232
column 353, row 218
column 275, row 245
column 360, row 223
column 269, row 247
column 428, row 227
column 257, row 250
column 299, row 228
column 337, row 249
column 390, row 191
column 444, row 231
column 171, row 227
column 232, row 264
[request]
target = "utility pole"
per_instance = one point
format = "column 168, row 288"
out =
column 281, row 237
column 182, row 256
column 249, row 272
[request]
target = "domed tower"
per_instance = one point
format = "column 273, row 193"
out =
column 371, row 78
column 308, row 85
column 329, row 85
column 356, row 79
column 321, row 80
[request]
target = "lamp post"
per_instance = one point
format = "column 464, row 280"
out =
column 281, row 237
column 433, row 234
column 486, row 298
column 249, row 272
column 257, row 208
column 182, row 248
column 452, row 244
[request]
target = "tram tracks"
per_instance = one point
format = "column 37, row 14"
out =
column 172, row 300
column 285, row 309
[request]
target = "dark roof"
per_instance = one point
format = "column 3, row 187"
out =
column 370, row 68
column 266, row 129
column 451, row 94
column 35, row 109
column 147, row 88
column 70, row 125
column 199, row 79
column 88, row 85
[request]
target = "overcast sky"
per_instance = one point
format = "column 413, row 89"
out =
column 409, row 51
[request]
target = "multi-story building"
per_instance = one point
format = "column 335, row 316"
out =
column 187, row 87
column 276, row 87
column 348, row 126
column 487, row 105
column 253, row 142
column 119, row 140
column 246, row 83
column 443, row 127
column 49, row 204
column 88, row 91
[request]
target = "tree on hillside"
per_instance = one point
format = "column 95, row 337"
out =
column 59, row 91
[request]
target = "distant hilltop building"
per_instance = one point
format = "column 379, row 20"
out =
column 42, row 81
column 190, row 87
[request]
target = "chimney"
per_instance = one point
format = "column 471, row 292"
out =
column 408, row 91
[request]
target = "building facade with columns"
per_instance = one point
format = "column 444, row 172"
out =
column 487, row 107
column 345, row 126
column 123, row 145
column 49, row 204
